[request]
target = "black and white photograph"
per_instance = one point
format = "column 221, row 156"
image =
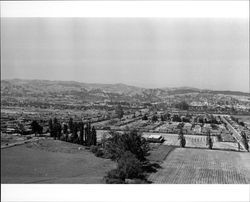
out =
column 104, row 98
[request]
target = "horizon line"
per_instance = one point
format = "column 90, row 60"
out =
column 131, row 85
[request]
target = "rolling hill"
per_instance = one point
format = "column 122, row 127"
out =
column 95, row 92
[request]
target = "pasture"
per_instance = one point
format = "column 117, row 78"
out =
column 52, row 161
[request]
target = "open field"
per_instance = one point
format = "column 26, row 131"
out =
column 202, row 166
column 160, row 153
column 196, row 141
column 53, row 161
column 245, row 119
column 50, row 161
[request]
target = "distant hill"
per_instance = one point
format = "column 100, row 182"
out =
column 94, row 91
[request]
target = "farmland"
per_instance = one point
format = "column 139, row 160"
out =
column 196, row 164
column 201, row 166
column 120, row 108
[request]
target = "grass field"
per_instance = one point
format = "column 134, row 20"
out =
column 49, row 161
column 160, row 153
column 202, row 166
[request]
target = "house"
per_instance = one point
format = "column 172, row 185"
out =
column 155, row 139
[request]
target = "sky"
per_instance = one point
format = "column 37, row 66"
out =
column 151, row 52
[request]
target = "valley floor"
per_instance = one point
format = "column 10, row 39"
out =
column 53, row 161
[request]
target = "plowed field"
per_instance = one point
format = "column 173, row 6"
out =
column 203, row 166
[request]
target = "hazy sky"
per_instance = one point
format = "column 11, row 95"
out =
column 149, row 52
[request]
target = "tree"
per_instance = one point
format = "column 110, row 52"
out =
column 144, row 118
column 183, row 105
column 176, row 118
column 81, row 133
column 94, row 138
column 55, row 121
column 88, row 135
column 129, row 166
column 51, row 128
column 71, row 125
column 182, row 138
column 74, row 136
column 209, row 141
column 119, row 111
column 36, row 128
column 131, row 141
column 57, row 129
column 21, row 129
column 245, row 141
column 65, row 128
column 65, row 131
column 154, row 118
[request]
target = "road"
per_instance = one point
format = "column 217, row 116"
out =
column 235, row 133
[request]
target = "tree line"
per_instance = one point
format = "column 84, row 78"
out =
column 75, row 132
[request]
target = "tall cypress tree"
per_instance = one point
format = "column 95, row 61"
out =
column 81, row 132
column 209, row 141
column 85, row 133
column 55, row 128
column 51, row 127
column 74, row 135
column 182, row 139
column 59, row 130
column 89, row 134
column 71, row 125
column 94, row 138
column 65, row 131
column 245, row 141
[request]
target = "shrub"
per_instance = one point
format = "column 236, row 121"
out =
column 115, row 174
column 94, row 149
column 99, row 153
column 129, row 166
column 63, row 138
column 136, row 181
column 113, row 177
